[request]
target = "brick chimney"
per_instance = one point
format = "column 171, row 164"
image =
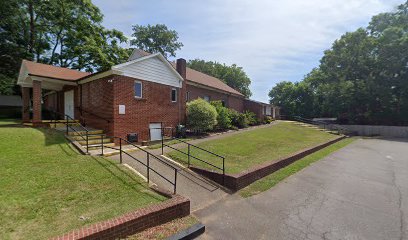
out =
column 181, row 69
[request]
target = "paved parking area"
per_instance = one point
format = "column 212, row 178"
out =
column 359, row 192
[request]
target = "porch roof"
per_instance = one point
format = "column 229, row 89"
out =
column 44, row 70
column 52, row 77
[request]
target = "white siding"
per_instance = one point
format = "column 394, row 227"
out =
column 153, row 70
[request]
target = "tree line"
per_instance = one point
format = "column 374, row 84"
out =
column 361, row 79
column 69, row 33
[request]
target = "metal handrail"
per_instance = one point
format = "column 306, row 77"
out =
column 147, row 165
column 93, row 114
column 67, row 118
column 189, row 155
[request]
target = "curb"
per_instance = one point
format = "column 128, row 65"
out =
column 189, row 233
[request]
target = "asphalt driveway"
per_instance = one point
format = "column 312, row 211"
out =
column 359, row 192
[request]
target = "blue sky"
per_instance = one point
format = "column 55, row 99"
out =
column 273, row 40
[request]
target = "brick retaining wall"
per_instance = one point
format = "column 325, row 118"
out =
column 238, row 181
column 133, row 222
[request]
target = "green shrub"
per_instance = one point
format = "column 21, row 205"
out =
column 251, row 118
column 238, row 120
column 201, row 115
column 268, row 119
column 223, row 118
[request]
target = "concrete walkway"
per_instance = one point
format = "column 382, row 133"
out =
column 359, row 192
column 199, row 190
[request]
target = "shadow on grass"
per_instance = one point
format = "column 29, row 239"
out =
column 134, row 183
column 53, row 137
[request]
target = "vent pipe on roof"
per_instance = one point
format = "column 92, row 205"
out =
column 181, row 67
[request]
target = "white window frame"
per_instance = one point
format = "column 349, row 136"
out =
column 175, row 95
column 141, row 90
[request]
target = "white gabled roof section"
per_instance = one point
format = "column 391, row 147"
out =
column 153, row 68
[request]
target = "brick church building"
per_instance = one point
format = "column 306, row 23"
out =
column 145, row 93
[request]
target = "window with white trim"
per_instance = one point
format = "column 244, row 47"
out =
column 138, row 88
column 174, row 95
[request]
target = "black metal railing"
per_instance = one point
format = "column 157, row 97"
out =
column 189, row 155
column 67, row 120
column 94, row 116
column 149, row 156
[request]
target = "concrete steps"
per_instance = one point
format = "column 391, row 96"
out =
column 90, row 137
column 82, row 132
column 98, row 146
column 94, row 141
column 78, row 135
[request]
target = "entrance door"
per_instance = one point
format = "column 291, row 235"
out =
column 69, row 103
column 155, row 131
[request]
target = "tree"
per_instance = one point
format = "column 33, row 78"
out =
column 233, row 75
column 156, row 39
column 64, row 33
column 362, row 78
column 201, row 115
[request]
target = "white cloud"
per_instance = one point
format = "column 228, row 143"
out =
column 272, row 40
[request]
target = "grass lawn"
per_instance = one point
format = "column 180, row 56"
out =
column 250, row 148
column 274, row 178
column 6, row 121
column 47, row 188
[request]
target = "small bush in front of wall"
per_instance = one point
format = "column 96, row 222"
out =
column 251, row 118
column 201, row 115
column 268, row 119
column 223, row 118
column 239, row 120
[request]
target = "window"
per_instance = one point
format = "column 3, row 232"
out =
column 138, row 90
column 223, row 103
column 187, row 96
column 174, row 95
column 207, row 98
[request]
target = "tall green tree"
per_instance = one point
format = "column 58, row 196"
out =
column 233, row 75
column 156, row 39
column 362, row 78
column 67, row 33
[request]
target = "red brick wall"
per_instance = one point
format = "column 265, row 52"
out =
column 97, row 98
column 231, row 101
column 155, row 107
column 236, row 103
column 36, row 101
column 133, row 222
column 256, row 108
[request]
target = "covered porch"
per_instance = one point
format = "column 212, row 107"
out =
column 58, row 84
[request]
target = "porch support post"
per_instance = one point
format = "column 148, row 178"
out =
column 25, row 114
column 36, row 102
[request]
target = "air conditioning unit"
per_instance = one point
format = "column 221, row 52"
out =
column 132, row 137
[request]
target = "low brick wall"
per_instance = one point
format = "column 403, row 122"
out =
column 133, row 222
column 238, row 181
